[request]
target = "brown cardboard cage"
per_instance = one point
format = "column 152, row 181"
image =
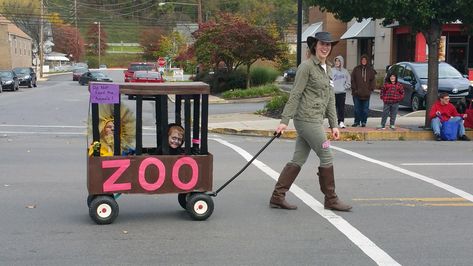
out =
column 152, row 169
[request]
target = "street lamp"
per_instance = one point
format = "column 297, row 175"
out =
column 98, row 23
column 198, row 4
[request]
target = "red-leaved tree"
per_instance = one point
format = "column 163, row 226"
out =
column 67, row 40
column 150, row 41
column 234, row 41
column 93, row 40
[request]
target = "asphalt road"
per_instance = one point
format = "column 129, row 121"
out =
column 412, row 200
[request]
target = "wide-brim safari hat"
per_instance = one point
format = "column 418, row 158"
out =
column 321, row 36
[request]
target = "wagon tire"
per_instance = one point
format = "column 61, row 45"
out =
column 182, row 199
column 89, row 199
column 200, row 206
column 103, row 209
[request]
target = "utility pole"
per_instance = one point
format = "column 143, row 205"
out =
column 199, row 11
column 98, row 24
column 299, row 31
column 100, row 47
column 40, row 48
column 75, row 21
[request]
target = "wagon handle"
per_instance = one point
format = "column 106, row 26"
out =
column 214, row 194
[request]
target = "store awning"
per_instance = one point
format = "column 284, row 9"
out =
column 359, row 30
column 311, row 30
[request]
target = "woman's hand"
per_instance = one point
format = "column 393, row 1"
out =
column 281, row 128
column 335, row 133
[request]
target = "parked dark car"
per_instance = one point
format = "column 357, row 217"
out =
column 413, row 77
column 93, row 76
column 78, row 72
column 290, row 74
column 9, row 80
column 26, row 76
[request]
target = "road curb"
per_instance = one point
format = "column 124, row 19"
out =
column 344, row 135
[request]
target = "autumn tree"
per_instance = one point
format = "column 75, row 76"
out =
column 171, row 45
column 150, row 40
column 282, row 13
column 25, row 15
column 93, row 39
column 232, row 40
column 425, row 16
column 67, row 39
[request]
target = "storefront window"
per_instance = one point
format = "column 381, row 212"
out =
column 405, row 44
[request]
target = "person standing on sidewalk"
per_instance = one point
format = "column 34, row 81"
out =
column 391, row 94
column 341, row 82
column 311, row 99
column 363, row 83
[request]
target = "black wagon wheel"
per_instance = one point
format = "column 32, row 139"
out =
column 89, row 199
column 182, row 199
column 200, row 206
column 103, row 209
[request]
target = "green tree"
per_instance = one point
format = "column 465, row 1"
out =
column 235, row 42
column 171, row 45
column 425, row 16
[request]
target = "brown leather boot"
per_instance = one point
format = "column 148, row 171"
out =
column 285, row 180
column 327, row 185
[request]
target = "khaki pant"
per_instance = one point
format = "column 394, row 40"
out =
column 311, row 136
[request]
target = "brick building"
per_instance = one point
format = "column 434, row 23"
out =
column 15, row 46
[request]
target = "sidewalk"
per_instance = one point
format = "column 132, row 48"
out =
column 408, row 127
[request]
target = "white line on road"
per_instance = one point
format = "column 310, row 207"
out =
column 42, row 126
column 437, row 164
column 429, row 180
column 365, row 244
column 40, row 133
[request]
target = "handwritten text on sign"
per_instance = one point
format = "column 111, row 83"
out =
column 104, row 93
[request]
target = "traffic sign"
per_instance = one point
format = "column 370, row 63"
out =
column 161, row 61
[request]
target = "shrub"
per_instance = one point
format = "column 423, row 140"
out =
column 276, row 105
column 262, row 91
column 92, row 61
column 263, row 75
column 221, row 81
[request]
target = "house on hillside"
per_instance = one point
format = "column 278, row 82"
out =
column 15, row 46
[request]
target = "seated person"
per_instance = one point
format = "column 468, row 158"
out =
column 175, row 139
column 442, row 110
column 107, row 128
column 106, row 140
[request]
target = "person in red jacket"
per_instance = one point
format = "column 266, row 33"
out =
column 391, row 94
column 442, row 110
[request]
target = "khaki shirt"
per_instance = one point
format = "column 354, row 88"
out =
column 312, row 98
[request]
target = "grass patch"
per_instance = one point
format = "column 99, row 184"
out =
column 113, row 60
column 261, row 91
column 125, row 49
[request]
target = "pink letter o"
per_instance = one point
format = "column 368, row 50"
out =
column 161, row 176
column 175, row 173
